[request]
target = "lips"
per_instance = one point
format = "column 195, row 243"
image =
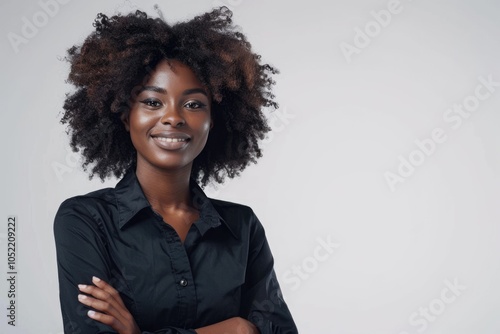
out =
column 171, row 140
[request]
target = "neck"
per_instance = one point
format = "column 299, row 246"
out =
column 165, row 190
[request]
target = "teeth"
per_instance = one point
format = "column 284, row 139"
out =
column 170, row 140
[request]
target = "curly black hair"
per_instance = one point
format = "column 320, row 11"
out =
column 119, row 56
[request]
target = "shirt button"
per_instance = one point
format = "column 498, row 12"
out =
column 183, row 282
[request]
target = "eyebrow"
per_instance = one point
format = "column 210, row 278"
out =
column 194, row 91
column 154, row 89
column 163, row 91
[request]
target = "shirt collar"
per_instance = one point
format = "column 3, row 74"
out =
column 131, row 199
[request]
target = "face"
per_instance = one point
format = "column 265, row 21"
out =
column 169, row 120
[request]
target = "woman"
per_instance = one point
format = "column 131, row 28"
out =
column 165, row 108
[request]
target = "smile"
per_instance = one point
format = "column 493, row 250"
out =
column 171, row 143
column 171, row 140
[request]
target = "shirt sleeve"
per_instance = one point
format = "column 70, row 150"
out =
column 82, row 253
column 262, row 300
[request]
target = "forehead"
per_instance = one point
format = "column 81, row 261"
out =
column 171, row 73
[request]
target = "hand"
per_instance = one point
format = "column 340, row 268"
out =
column 234, row 325
column 112, row 311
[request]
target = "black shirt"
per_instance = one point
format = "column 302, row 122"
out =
column 223, row 269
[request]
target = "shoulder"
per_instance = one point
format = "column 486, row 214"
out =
column 240, row 218
column 88, row 202
column 84, row 210
column 232, row 208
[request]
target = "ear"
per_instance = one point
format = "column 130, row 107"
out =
column 125, row 120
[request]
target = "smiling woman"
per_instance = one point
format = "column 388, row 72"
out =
column 166, row 107
column 169, row 120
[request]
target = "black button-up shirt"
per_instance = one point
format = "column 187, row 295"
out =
column 223, row 269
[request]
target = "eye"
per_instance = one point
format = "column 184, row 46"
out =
column 151, row 103
column 194, row 105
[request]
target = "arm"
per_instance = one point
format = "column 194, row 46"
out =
column 112, row 311
column 234, row 325
column 263, row 302
column 81, row 254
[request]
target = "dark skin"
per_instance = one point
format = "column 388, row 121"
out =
column 169, row 122
column 167, row 108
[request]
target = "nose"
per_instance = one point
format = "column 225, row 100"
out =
column 173, row 117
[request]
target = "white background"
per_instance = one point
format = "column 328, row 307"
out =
column 347, row 121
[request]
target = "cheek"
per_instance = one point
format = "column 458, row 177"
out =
column 203, row 131
column 138, row 122
column 205, row 128
column 139, row 126
column 208, row 126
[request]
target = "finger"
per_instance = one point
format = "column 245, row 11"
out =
column 109, row 315
column 97, row 292
column 99, row 305
column 102, row 302
column 106, row 319
column 108, row 288
column 101, row 294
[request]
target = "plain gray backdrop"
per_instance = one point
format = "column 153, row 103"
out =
column 379, row 185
